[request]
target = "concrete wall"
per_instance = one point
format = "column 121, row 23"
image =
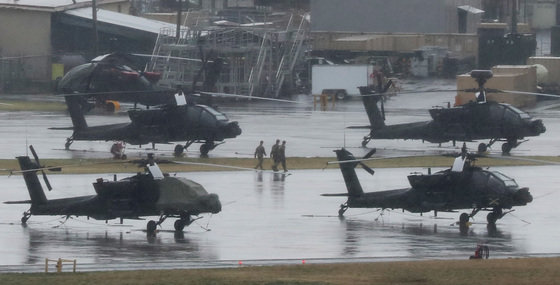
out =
column 395, row 16
column 458, row 44
column 28, row 34
column 541, row 14
column 121, row 7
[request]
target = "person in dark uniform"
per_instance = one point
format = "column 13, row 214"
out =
column 274, row 155
column 282, row 155
column 260, row 153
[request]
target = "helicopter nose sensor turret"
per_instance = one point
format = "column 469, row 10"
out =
column 232, row 129
column 522, row 196
column 538, row 127
column 211, row 203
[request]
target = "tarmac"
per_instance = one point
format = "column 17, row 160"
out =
column 272, row 219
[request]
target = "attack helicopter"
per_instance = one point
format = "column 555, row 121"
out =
column 463, row 186
column 473, row 121
column 115, row 76
column 151, row 193
column 178, row 117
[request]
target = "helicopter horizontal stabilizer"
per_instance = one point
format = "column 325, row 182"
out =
column 336, row 195
column 359, row 127
column 62, row 129
column 18, row 202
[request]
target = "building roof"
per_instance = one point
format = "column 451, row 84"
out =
column 123, row 20
column 51, row 5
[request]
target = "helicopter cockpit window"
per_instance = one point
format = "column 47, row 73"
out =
column 219, row 116
column 521, row 114
column 494, row 183
column 509, row 182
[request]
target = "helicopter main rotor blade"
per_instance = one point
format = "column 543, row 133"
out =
column 221, row 166
column 530, row 93
column 250, row 97
column 168, row 57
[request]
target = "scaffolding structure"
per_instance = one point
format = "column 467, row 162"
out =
column 258, row 61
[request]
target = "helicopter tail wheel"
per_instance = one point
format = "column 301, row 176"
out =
column 463, row 219
column 25, row 217
column 69, row 141
column 151, row 226
column 342, row 209
column 178, row 151
column 482, row 147
column 365, row 141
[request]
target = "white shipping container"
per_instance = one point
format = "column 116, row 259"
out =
column 341, row 80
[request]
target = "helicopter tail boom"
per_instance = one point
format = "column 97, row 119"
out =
column 353, row 185
column 76, row 113
column 36, row 192
column 375, row 115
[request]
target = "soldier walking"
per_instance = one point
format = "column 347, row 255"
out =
column 282, row 155
column 274, row 155
column 260, row 153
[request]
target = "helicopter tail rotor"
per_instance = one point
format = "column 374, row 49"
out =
column 47, row 183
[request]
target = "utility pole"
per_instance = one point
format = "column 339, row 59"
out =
column 178, row 30
column 94, row 18
column 514, row 16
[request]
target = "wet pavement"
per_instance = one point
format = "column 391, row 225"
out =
column 272, row 219
column 267, row 219
column 308, row 132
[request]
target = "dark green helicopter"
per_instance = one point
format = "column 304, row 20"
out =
column 473, row 121
column 176, row 118
column 463, row 186
column 151, row 193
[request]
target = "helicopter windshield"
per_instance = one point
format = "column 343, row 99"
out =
column 509, row 182
column 219, row 116
column 521, row 114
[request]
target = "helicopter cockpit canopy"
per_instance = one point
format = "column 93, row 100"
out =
column 213, row 112
column 515, row 110
column 508, row 181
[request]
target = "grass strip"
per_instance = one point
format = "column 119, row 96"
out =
column 532, row 271
column 81, row 166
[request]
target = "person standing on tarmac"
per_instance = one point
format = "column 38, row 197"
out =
column 274, row 155
column 260, row 153
column 282, row 155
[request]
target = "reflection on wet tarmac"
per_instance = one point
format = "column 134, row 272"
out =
column 269, row 217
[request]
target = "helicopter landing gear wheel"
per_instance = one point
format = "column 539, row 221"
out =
column 178, row 151
column 206, row 147
column 506, row 148
column 463, row 219
column 151, row 227
column 482, row 147
column 492, row 218
column 179, row 225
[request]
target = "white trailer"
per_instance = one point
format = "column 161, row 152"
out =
column 340, row 80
